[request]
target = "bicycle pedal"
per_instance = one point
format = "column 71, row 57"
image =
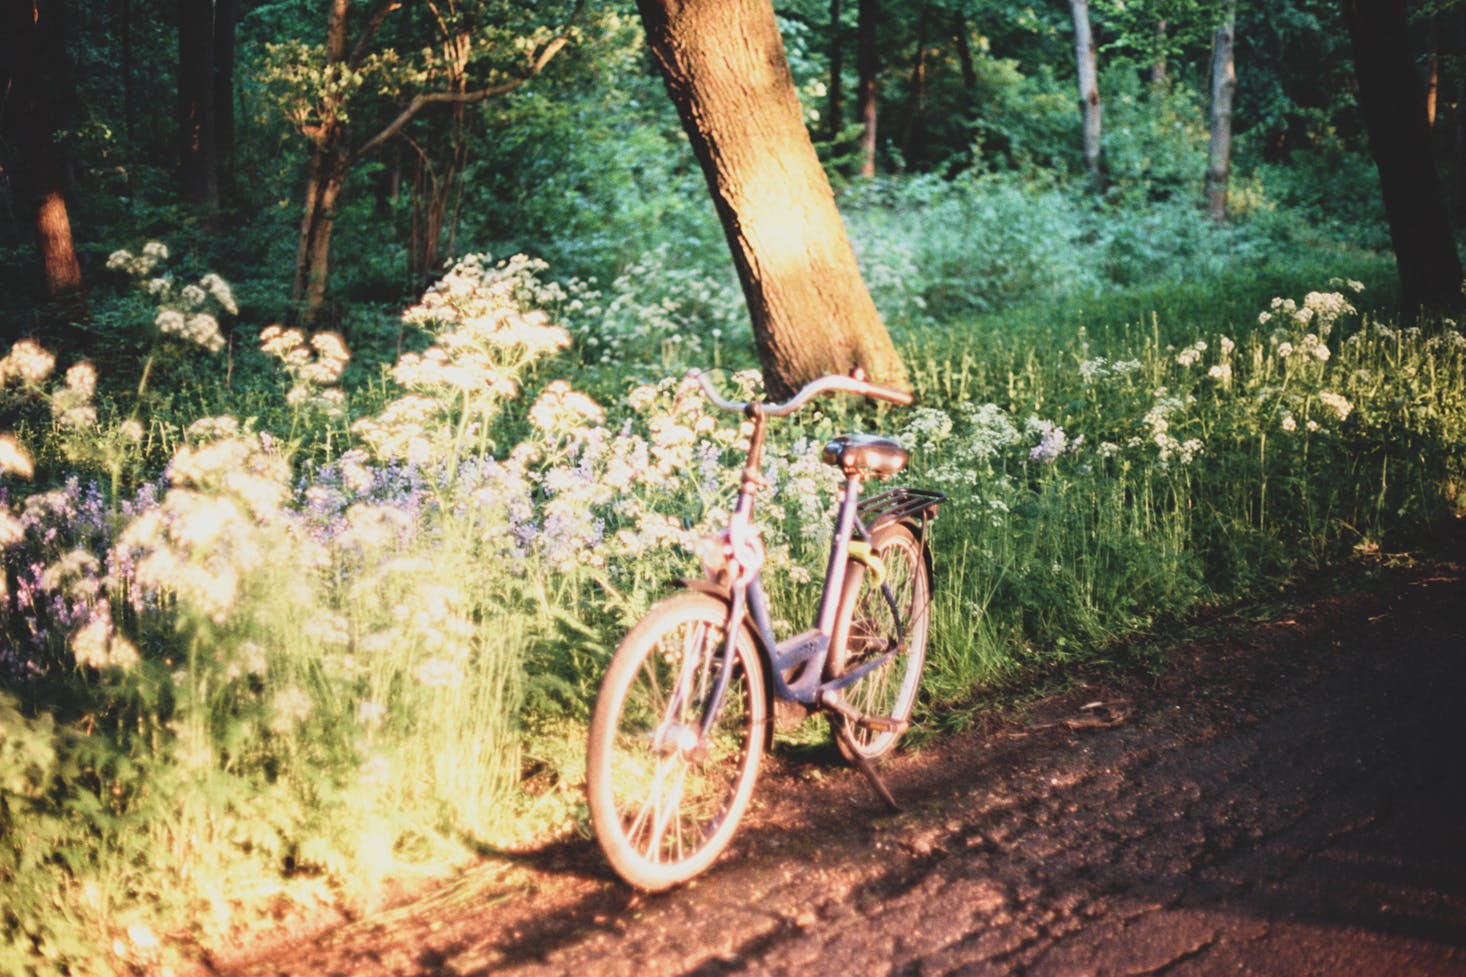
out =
column 884, row 724
column 835, row 702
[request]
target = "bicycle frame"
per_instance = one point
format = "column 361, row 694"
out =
column 747, row 599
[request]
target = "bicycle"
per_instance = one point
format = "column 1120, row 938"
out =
column 683, row 712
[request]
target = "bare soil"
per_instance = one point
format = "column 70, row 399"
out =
column 1287, row 798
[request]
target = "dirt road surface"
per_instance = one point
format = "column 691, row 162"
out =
column 1288, row 798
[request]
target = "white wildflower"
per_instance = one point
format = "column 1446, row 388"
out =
column 290, row 707
column 1336, row 403
column 14, row 459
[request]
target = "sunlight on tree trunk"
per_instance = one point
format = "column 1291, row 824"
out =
column 1223, row 86
column 58, row 249
column 724, row 65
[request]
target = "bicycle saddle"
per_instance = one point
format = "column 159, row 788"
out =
column 865, row 454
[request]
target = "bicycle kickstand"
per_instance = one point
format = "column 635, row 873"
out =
column 868, row 768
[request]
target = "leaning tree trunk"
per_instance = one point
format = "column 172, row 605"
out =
column 1223, row 85
column 724, row 65
column 1393, row 101
column 1089, row 97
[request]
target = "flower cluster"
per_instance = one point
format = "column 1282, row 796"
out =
column 190, row 312
column 315, row 366
column 27, row 362
column 487, row 330
column 71, row 405
column 212, row 529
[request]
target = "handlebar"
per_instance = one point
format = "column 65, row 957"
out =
column 855, row 384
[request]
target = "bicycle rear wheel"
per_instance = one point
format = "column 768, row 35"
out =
column 664, row 801
column 867, row 626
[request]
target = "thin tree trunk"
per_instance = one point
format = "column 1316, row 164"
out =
column 964, row 52
column 129, row 109
column 197, row 137
column 1159, row 72
column 867, row 66
column 314, row 268
column 226, row 19
column 915, row 127
column 1223, row 86
column 837, row 72
column 1399, row 138
column 323, row 186
column 811, row 311
column 1089, row 96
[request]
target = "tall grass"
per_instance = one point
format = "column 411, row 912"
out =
column 1102, row 486
column 295, row 639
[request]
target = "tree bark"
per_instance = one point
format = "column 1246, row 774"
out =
column 724, row 66
column 312, row 266
column 867, row 66
column 1223, row 86
column 1392, row 98
column 1089, row 96
column 34, row 44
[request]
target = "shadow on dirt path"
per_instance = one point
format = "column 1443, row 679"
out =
column 1289, row 798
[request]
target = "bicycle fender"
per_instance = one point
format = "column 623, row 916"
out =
column 712, row 588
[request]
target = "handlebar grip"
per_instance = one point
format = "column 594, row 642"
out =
column 899, row 397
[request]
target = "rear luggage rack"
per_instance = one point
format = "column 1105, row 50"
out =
column 897, row 504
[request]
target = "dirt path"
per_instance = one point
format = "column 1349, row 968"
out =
column 1290, row 799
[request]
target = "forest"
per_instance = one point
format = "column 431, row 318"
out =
column 342, row 423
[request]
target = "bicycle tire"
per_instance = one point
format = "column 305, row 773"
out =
column 865, row 628
column 664, row 809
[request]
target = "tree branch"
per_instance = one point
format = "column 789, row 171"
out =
column 369, row 33
column 419, row 102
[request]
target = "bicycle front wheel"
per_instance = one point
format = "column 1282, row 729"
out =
column 665, row 800
column 871, row 622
